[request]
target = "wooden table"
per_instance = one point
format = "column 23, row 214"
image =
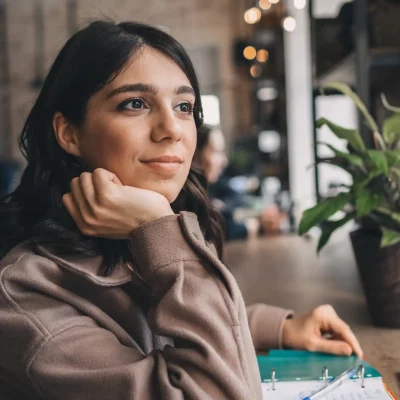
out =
column 285, row 271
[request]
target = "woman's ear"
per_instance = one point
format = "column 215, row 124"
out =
column 66, row 135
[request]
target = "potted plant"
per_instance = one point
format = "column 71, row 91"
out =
column 373, row 200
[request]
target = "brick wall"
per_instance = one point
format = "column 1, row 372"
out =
column 197, row 24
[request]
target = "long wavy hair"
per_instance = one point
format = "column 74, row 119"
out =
column 89, row 60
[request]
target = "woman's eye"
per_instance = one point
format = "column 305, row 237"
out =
column 132, row 104
column 186, row 107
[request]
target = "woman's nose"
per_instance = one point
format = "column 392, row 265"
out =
column 167, row 127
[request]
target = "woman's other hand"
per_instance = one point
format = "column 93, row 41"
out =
column 309, row 332
column 101, row 206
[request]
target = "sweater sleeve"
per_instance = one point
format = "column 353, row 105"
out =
column 196, row 303
column 266, row 324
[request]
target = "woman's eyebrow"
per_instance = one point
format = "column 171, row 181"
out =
column 148, row 88
column 137, row 87
column 185, row 90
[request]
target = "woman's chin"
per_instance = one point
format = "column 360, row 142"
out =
column 170, row 194
column 170, row 190
column 171, row 197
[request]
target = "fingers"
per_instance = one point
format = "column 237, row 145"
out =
column 103, row 181
column 102, row 177
column 80, row 204
column 94, row 203
column 333, row 324
column 336, row 347
column 87, row 187
column 341, row 330
column 73, row 210
column 79, row 197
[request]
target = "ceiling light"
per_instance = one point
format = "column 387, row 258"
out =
column 289, row 24
column 265, row 4
column 300, row 4
column 255, row 71
column 250, row 52
column 262, row 55
column 252, row 15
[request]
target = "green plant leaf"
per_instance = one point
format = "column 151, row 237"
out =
column 351, row 158
column 367, row 202
column 394, row 216
column 387, row 105
column 386, row 219
column 391, row 129
column 379, row 161
column 329, row 227
column 322, row 211
column 346, row 90
column 351, row 135
column 392, row 157
column 354, row 170
column 359, row 183
column 389, row 237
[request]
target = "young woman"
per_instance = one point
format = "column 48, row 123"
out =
column 111, row 284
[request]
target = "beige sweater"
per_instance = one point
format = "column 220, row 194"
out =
column 68, row 333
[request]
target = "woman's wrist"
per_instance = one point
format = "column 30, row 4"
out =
column 163, row 213
column 158, row 213
column 285, row 329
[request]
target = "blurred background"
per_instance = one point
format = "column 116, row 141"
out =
column 261, row 65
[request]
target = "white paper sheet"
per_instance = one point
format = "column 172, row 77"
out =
column 349, row 390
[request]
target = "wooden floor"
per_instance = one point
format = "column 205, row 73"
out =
column 284, row 271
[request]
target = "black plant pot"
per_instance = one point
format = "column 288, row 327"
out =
column 379, row 269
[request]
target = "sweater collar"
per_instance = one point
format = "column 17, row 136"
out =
column 88, row 267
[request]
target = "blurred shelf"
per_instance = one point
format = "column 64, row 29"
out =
column 345, row 70
column 385, row 57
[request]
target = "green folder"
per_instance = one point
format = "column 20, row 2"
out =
column 294, row 365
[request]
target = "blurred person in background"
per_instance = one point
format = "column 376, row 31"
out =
column 211, row 155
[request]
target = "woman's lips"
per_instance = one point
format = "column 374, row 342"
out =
column 165, row 165
column 165, row 159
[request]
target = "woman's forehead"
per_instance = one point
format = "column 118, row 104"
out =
column 153, row 68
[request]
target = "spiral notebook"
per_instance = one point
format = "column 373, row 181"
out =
column 300, row 373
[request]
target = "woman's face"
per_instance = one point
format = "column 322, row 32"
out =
column 140, row 126
column 213, row 158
